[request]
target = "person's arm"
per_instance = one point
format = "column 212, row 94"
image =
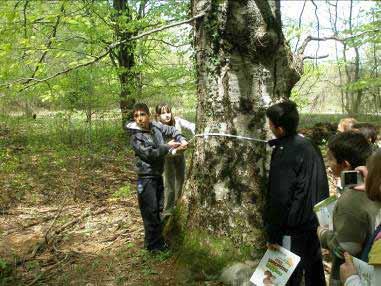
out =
column 170, row 131
column 355, row 280
column 347, row 236
column 150, row 153
column 278, row 199
column 186, row 124
column 310, row 186
column 348, row 272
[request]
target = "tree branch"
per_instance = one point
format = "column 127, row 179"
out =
column 267, row 14
column 318, row 27
column 163, row 28
column 53, row 35
column 168, row 43
column 106, row 52
column 36, row 81
column 311, row 38
column 335, row 38
column 300, row 23
column 315, row 57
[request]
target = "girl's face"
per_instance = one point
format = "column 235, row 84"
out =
column 165, row 117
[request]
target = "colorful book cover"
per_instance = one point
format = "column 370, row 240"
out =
column 324, row 211
column 275, row 267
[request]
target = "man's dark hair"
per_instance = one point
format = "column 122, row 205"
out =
column 350, row 146
column 367, row 129
column 142, row 107
column 285, row 115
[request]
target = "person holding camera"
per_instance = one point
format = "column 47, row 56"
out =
column 354, row 215
column 372, row 187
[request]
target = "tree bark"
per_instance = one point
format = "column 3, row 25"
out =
column 126, row 61
column 356, row 96
column 243, row 63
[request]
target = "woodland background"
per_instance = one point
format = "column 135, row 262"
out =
column 70, row 72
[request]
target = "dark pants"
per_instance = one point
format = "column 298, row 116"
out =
column 307, row 246
column 151, row 201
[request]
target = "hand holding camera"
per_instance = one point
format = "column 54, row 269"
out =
column 354, row 178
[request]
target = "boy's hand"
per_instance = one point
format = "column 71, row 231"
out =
column 183, row 146
column 174, row 144
column 272, row 246
column 347, row 269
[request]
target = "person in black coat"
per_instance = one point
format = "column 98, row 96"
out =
column 297, row 181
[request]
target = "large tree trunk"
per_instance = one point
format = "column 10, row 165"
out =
column 243, row 63
column 126, row 60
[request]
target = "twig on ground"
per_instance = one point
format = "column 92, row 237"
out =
column 55, row 219
column 42, row 244
column 45, row 271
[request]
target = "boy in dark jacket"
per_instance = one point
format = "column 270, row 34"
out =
column 147, row 141
column 297, row 181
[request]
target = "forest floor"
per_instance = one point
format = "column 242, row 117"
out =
column 83, row 243
column 91, row 243
column 70, row 217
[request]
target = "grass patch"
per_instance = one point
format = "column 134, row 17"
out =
column 123, row 192
column 6, row 274
column 207, row 256
column 52, row 156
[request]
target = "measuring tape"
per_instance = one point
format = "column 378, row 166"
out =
column 206, row 135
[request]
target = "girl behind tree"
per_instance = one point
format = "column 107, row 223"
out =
column 174, row 166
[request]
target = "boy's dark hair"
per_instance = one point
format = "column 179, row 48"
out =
column 350, row 146
column 368, row 130
column 141, row 106
column 285, row 115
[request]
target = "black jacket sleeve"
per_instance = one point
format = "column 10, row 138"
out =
column 278, row 202
column 148, row 153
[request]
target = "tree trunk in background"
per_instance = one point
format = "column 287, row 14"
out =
column 356, row 95
column 343, row 91
column 126, row 61
column 377, row 93
column 243, row 63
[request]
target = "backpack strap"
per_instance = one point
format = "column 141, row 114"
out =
column 368, row 244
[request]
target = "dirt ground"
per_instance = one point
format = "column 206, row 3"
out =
column 97, row 245
column 84, row 244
